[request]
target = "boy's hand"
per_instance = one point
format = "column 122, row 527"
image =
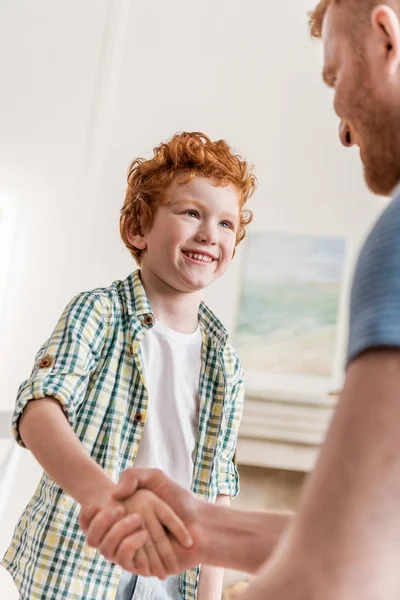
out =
column 119, row 541
column 124, row 525
column 183, row 502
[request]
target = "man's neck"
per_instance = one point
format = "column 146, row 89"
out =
column 177, row 310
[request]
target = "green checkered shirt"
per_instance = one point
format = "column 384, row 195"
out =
column 93, row 368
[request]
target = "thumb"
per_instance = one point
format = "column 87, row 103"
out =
column 127, row 485
column 86, row 515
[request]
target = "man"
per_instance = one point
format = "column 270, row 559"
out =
column 345, row 541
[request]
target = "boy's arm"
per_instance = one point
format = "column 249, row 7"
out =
column 49, row 401
column 211, row 578
column 226, row 473
column 45, row 430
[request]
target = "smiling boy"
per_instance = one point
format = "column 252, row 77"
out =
column 139, row 373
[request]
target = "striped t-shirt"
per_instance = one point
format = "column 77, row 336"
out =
column 375, row 296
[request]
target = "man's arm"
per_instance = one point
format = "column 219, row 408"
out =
column 224, row 537
column 211, row 578
column 238, row 539
column 345, row 540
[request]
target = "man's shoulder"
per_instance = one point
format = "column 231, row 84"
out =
column 380, row 254
column 385, row 232
column 375, row 297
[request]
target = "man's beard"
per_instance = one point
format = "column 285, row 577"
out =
column 381, row 170
column 378, row 129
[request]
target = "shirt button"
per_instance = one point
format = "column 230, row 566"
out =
column 46, row 362
column 148, row 320
column 138, row 418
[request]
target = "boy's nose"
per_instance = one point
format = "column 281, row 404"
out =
column 206, row 235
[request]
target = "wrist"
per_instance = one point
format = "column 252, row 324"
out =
column 98, row 491
column 238, row 539
column 213, row 528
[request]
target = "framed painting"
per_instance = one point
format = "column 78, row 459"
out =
column 289, row 333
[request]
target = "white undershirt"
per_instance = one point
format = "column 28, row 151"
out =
column 171, row 363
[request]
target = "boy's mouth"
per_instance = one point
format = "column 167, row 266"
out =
column 199, row 256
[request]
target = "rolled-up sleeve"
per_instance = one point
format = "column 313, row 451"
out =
column 226, row 471
column 64, row 364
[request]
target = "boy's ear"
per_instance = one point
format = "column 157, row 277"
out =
column 139, row 241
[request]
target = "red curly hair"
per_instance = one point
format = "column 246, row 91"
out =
column 359, row 9
column 191, row 153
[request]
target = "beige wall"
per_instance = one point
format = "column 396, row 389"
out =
column 268, row 489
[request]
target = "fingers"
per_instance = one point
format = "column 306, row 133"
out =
column 159, row 548
column 133, row 478
column 129, row 549
column 155, row 562
column 174, row 524
column 102, row 522
column 126, row 486
column 144, row 561
column 117, row 532
column 86, row 515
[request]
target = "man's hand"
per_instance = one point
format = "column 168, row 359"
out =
column 104, row 528
column 155, row 556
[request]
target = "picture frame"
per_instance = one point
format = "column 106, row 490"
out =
column 321, row 268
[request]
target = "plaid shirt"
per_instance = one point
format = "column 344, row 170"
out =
column 92, row 365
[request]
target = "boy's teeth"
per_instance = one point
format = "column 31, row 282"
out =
column 196, row 256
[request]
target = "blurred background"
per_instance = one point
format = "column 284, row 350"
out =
column 88, row 85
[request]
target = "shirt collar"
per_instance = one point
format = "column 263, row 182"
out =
column 135, row 296
column 138, row 304
column 210, row 323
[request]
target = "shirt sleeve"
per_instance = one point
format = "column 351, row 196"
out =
column 227, row 474
column 66, row 361
column 375, row 296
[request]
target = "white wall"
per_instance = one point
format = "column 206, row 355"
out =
column 87, row 86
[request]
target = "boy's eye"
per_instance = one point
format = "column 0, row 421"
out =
column 227, row 224
column 192, row 213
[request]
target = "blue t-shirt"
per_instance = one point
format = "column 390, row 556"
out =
column 375, row 296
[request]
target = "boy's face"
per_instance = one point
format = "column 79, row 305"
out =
column 193, row 237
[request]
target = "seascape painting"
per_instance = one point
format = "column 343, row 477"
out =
column 289, row 306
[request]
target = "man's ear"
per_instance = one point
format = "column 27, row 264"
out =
column 139, row 241
column 386, row 23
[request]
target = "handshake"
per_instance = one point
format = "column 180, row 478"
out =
column 151, row 526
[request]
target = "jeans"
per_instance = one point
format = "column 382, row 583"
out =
column 132, row 587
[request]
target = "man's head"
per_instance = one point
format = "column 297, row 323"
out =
column 362, row 63
column 184, row 210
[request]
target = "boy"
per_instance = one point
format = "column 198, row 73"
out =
column 143, row 374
